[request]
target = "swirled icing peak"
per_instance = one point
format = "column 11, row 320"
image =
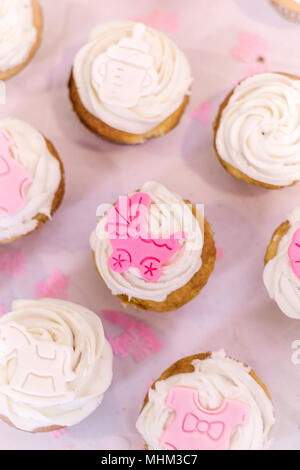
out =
column 259, row 130
column 55, row 363
column 131, row 76
column 17, row 32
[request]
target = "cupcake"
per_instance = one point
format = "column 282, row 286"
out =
column 129, row 83
column 55, row 364
column 31, row 179
column 21, row 25
column 153, row 249
column 290, row 9
column 207, row 402
column 282, row 266
column 257, row 136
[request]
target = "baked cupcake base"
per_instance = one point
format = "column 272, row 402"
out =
column 38, row 24
column 42, row 218
column 277, row 236
column 287, row 12
column 185, row 366
column 235, row 172
column 114, row 135
column 35, row 431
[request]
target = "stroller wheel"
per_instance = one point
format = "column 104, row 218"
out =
column 120, row 261
column 151, row 269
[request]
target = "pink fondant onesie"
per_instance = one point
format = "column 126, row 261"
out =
column 195, row 428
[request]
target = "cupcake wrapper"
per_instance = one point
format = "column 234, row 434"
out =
column 287, row 13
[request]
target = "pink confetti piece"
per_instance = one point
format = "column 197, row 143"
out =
column 220, row 253
column 203, row 113
column 56, row 286
column 13, row 264
column 250, row 47
column 260, row 67
column 160, row 20
column 2, row 310
column 59, row 433
column 137, row 339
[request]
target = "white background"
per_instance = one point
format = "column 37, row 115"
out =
column 233, row 311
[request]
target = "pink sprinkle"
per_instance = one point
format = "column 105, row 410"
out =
column 137, row 338
column 2, row 310
column 203, row 113
column 220, row 253
column 59, row 433
column 56, row 286
column 250, row 46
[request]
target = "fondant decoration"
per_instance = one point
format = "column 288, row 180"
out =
column 13, row 179
column 42, row 368
column 138, row 339
column 195, row 428
column 125, row 72
column 132, row 244
column 294, row 253
column 56, row 286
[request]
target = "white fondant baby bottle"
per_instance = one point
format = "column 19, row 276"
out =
column 125, row 72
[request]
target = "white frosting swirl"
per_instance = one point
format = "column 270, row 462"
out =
column 168, row 214
column 172, row 67
column 31, row 151
column 280, row 280
column 216, row 378
column 75, row 327
column 17, row 32
column 259, row 131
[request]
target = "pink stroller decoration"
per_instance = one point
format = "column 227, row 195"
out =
column 294, row 253
column 13, row 179
column 195, row 428
column 131, row 242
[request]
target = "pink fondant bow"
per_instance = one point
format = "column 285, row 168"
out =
column 214, row 430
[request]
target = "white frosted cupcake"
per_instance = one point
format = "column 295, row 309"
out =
column 55, row 364
column 257, row 137
column 129, row 82
column 20, row 34
column 207, row 402
column 290, row 9
column 32, row 179
column 153, row 249
column 282, row 266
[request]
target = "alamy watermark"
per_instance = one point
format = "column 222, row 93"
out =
column 2, row 92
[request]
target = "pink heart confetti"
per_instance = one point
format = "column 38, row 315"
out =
column 137, row 339
column 59, row 433
column 160, row 20
column 203, row 113
column 250, row 47
column 220, row 253
column 56, row 286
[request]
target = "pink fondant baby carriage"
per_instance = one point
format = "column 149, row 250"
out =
column 132, row 244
